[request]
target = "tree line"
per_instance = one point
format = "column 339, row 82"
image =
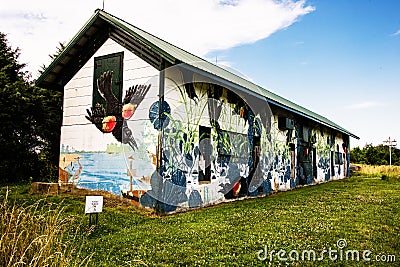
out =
column 375, row 155
column 30, row 120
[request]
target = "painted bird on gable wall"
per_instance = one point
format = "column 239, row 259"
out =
column 113, row 117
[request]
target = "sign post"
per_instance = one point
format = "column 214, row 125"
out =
column 94, row 205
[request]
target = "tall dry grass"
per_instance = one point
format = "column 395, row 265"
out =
column 35, row 236
column 381, row 171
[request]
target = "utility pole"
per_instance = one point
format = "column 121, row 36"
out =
column 391, row 143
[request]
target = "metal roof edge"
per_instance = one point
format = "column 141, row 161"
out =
column 325, row 122
column 116, row 22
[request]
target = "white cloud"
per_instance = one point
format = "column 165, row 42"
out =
column 396, row 33
column 365, row 105
column 199, row 26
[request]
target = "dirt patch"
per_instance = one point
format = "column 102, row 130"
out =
column 110, row 200
column 44, row 188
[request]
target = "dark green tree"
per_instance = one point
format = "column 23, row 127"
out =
column 30, row 118
column 357, row 155
column 375, row 155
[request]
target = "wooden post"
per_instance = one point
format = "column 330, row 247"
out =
column 93, row 221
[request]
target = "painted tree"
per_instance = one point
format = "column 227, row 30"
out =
column 30, row 118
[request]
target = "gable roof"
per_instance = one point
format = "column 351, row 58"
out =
column 153, row 50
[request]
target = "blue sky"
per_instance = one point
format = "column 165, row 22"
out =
column 338, row 58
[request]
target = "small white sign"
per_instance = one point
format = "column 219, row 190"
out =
column 94, row 204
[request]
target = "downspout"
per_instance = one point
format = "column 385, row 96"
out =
column 159, row 174
column 160, row 111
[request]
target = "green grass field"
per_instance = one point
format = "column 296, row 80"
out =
column 363, row 211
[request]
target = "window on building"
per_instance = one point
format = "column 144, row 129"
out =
column 338, row 158
column 205, row 154
column 108, row 63
column 292, row 149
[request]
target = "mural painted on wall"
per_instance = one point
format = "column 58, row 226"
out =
column 216, row 147
column 323, row 151
column 276, row 163
column 198, row 144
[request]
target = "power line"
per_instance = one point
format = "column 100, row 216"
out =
column 391, row 143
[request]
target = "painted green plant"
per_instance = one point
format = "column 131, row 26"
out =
column 322, row 147
column 182, row 135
